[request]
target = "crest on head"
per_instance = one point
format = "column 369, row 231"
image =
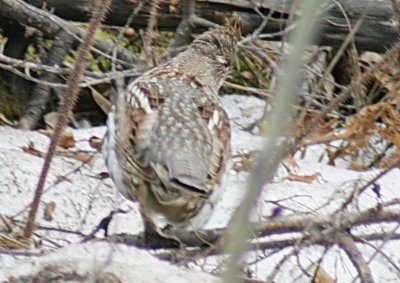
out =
column 223, row 37
column 235, row 23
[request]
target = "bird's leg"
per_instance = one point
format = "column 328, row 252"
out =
column 155, row 237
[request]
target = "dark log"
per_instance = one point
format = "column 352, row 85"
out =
column 377, row 33
column 50, row 25
column 41, row 93
column 18, row 40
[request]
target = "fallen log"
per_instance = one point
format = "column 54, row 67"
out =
column 377, row 32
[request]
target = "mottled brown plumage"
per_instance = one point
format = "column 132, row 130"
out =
column 168, row 136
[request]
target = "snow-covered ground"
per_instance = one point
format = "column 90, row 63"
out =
column 82, row 199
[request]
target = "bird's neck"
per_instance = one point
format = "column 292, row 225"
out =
column 202, row 69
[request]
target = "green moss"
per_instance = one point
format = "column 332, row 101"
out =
column 106, row 34
column 70, row 59
column 30, row 52
column 239, row 68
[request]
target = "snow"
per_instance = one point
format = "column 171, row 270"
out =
column 129, row 264
column 82, row 199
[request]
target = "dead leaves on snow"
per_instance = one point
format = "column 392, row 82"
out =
column 371, row 136
column 374, row 124
column 67, row 141
column 303, row 178
column 11, row 237
column 66, row 138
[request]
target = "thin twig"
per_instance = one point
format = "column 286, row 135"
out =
column 100, row 10
column 91, row 78
column 151, row 26
column 371, row 182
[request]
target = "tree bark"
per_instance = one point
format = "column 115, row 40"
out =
column 377, row 33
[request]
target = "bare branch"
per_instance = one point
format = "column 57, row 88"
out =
column 91, row 78
column 369, row 183
column 304, row 230
column 354, row 254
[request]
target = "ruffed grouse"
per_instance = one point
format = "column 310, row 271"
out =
column 168, row 136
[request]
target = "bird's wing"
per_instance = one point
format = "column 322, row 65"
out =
column 137, row 110
column 219, row 127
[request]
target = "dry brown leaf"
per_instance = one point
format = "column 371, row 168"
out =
column 13, row 240
column 61, row 178
column 386, row 78
column 80, row 156
column 173, row 9
column 357, row 166
column 32, row 150
column 101, row 101
column 66, row 138
column 372, row 124
column 95, row 142
column 320, row 275
column 48, row 210
column 129, row 32
column 381, row 119
column 6, row 121
column 245, row 163
column 5, row 223
column 291, row 161
column 303, row 178
column 247, row 75
column 324, row 133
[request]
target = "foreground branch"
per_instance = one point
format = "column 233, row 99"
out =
column 354, row 254
column 321, row 230
column 69, row 100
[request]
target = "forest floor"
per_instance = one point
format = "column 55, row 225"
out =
column 76, row 199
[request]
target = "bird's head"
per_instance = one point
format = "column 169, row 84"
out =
column 219, row 45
